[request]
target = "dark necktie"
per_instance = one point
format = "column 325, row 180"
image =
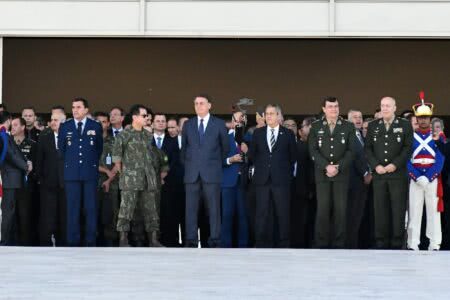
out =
column 116, row 132
column 201, row 130
column 80, row 127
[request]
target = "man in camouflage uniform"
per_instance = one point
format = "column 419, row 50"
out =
column 161, row 166
column 138, row 182
column 108, row 187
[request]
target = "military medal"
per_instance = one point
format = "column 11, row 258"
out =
column 343, row 140
column 69, row 143
column 399, row 139
column 92, row 143
column 320, row 143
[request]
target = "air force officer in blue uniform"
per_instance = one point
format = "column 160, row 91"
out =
column 80, row 143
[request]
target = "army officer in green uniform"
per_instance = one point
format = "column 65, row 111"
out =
column 138, row 182
column 388, row 147
column 330, row 142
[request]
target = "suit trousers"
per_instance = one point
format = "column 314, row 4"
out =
column 331, row 205
column 278, row 197
column 211, row 196
column 357, row 201
column 81, row 194
column 8, row 217
column 419, row 196
column 234, row 208
column 52, row 217
column 389, row 198
column 24, row 216
column 171, row 214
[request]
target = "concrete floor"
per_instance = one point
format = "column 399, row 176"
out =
column 142, row 273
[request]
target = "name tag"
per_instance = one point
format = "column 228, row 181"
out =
column 398, row 130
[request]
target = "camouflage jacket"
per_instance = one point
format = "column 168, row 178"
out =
column 106, row 162
column 161, row 164
column 139, row 160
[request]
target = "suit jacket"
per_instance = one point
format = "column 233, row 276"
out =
column 49, row 165
column 304, row 179
column 231, row 172
column 360, row 165
column 171, row 149
column 277, row 165
column 81, row 154
column 204, row 159
column 14, row 167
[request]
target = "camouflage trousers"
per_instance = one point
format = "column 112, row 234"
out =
column 146, row 200
column 138, row 224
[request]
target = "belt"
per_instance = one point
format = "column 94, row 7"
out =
column 424, row 161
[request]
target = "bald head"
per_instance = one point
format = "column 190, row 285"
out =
column 388, row 108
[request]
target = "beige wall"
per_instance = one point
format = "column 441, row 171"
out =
column 167, row 73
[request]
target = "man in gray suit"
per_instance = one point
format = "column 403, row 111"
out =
column 14, row 170
column 203, row 152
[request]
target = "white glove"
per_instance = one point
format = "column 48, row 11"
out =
column 422, row 181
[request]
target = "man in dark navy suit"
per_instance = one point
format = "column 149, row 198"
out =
column 171, row 205
column 204, row 147
column 233, row 196
column 80, row 142
column 273, row 152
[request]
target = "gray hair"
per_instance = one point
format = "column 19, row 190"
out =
column 277, row 108
column 352, row 111
column 436, row 120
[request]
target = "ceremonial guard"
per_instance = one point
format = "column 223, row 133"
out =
column 424, row 169
column 330, row 142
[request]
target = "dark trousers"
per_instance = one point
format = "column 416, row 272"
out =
column 108, row 211
column 172, row 214
column 277, row 196
column 331, row 210
column 234, row 208
column 250, row 196
column 52, row 219
column 81, row 194
column 211, row 195
column 357, row 200
column 24, row 216
column 389, row 198
column 8, row 217
column 303, row 215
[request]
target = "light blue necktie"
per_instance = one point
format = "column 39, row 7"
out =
column 158, row 142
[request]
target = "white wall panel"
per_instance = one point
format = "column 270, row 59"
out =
column 267, row 18
column 393, row 19
column 226, row 18
column 74, row 16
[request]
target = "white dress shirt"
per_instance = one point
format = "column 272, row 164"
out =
column 179, row 141
column 269, row 135
column 156, row 136
column 205, row 121
column 119, row 130
column 56, row 139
